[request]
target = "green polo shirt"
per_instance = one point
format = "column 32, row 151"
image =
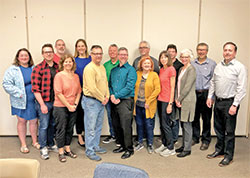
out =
column 109, row 66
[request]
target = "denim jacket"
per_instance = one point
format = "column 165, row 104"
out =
column 13, row 84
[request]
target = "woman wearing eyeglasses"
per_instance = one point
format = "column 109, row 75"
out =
column 185, row 100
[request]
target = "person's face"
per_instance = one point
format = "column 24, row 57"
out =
column 123, row 56
column 96, row 55
column 172, row 53
column 81, row 48
column 164, row 60
column 202, row 52
column 48, row 54
column 23, row 58
column 144, row 50
column 146, row 65
column 68, row 64
column 185, row 59
column 60, row 47
column 229, row 52
column 113, row 52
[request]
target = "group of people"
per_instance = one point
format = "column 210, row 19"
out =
column 71, row 90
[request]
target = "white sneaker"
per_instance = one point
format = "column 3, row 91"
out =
column 160, row 149
column 53, row 148
column 44, row 153
column 168, row 152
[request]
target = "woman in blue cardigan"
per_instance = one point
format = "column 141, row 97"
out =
column 17, row 83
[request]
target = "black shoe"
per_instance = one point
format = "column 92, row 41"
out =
column 127, row 154
column 225, row 162
column 109, row 139
column 204, row 146
column 194, row 142
column 117, row 143
column 215, row 155
column 82, row 145
column 119, row 150
column 184, row 154
column 179, row 150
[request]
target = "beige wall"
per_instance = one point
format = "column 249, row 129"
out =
column 125, row 23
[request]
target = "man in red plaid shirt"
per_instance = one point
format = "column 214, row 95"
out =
column 42, row 86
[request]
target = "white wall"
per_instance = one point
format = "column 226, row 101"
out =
column 125, row 23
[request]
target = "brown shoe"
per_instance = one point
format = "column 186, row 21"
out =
column 204, row 146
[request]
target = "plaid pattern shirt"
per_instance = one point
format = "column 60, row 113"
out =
column 40, row 79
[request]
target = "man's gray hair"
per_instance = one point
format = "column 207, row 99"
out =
column 148, row 45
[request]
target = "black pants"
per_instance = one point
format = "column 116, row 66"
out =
column 205, row 113
column 122, row 117
column 166, row 125
column 79, row 118
column 65, row 122
column 224, row 126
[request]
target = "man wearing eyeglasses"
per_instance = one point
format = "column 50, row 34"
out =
column 60, row 50
column 204, row 72
column 122, row 85
column 144, row 49
column 96, row 96
column 42, row 86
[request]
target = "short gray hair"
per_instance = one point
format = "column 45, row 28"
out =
column 122, row 49
column 188, row 52
column 148, row 45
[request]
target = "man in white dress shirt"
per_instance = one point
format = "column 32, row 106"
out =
column 228, row 87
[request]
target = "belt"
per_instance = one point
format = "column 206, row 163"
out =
column 90, row 97
column 224, row 99
column 201, row 91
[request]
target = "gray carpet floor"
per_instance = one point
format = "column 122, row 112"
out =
column 194, row 166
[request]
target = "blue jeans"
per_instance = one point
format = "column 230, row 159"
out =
column 46, row 128
column 108, row 109
column 143, row 122
column 93, row 119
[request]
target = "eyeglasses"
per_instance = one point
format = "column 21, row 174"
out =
column 48, row 52
column 97, row 54
column 184, row 57
column 144, row 47
column 123, row 54
column 201, row 49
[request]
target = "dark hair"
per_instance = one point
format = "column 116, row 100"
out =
column 230, row 43
column 202, row 44
column 85, row 43
column 16, row 61
column 144, row 59
column 48, row 45
column 96, row 47
column 172, row 46
column 66, row 56
column 165, row 53
column 113, row 45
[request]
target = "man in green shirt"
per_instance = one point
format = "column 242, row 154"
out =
column 109, row 65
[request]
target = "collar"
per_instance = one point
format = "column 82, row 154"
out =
column 232, row 62
column 45, row 64
column 205, row 62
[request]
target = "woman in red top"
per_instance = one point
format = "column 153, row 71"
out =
column 165, row 104
column 67, row 94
